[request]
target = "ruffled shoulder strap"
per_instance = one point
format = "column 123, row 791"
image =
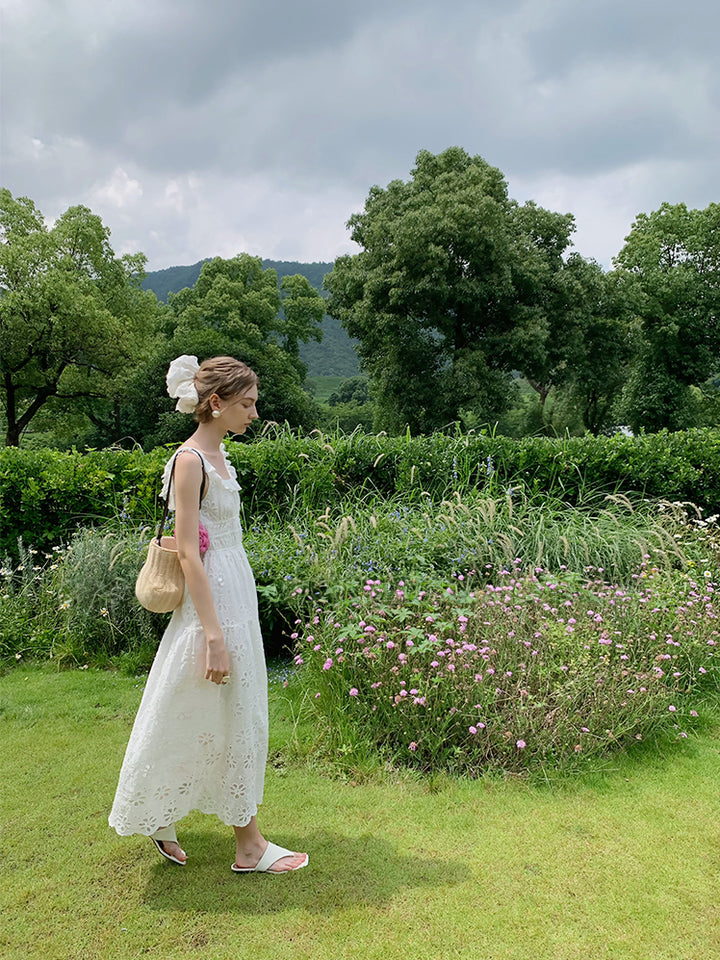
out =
column 232, row 472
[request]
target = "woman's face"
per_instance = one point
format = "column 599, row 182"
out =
column 240, row 411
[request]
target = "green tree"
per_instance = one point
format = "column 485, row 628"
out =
column 351, row 406
column 72, row 315
column 443, row 295
column 597, row 309
column 236, row 309
column 673, row 257
column 303, row 309
column 353, row 390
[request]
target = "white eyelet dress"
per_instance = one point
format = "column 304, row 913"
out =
column 197, row 745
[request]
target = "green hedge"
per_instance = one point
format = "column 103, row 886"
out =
column 318, row 470
column 45, row 495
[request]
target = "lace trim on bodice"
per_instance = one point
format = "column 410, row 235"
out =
column 227, row 537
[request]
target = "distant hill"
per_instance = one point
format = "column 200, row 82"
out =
column 334, row 356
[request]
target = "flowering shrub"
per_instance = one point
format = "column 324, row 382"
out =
column 531, row 670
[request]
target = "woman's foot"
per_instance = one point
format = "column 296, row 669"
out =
column 172, row 850
column 266, row 857
column 165, row 840
column 253, row 853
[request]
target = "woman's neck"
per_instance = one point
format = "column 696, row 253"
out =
column 208, row 436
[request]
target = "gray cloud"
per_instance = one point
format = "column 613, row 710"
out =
column 195, row 128
column 567, row 35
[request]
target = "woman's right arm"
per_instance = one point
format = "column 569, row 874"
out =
column 187, row 480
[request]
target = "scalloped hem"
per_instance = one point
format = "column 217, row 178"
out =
column 176, row 816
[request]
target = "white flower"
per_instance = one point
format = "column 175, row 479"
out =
column 180, row 382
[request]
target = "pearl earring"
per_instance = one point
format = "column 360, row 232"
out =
column 216, row 413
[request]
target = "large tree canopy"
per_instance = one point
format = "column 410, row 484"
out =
column 673, row 257
column 449, row 291
column 72, row 314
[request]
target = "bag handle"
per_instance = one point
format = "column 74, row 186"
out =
column 166, row 508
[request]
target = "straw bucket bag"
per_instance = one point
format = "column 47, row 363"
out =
column 160, row 585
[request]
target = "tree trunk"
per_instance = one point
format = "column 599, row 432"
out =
column 542, row 388
column 118, row 421
column 12, row 436
column 15, row 424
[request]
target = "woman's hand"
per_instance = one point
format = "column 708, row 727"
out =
column 217, row 662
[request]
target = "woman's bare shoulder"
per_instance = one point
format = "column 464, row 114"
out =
column 187, row 466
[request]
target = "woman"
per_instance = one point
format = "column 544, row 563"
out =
column 200, row 736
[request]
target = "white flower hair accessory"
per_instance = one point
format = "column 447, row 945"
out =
column 181, row 382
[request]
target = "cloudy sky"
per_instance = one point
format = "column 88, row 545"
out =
column 209, row 127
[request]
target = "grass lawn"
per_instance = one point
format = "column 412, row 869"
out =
column 623, row 864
